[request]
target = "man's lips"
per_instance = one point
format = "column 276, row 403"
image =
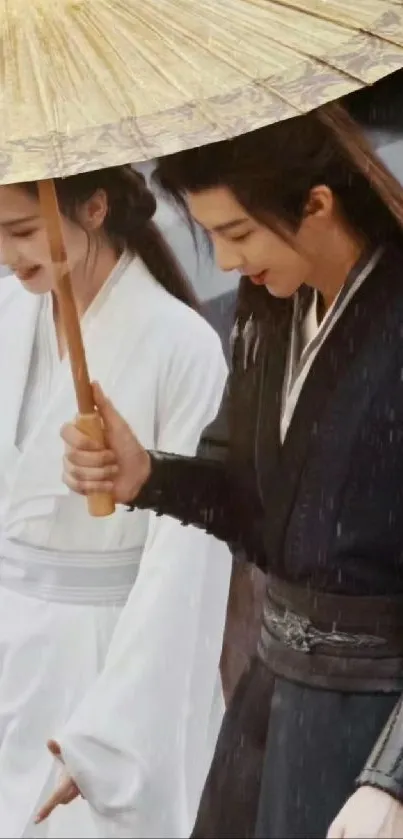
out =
column 259, row 279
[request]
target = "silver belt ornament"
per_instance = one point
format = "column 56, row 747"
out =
column 300, row 634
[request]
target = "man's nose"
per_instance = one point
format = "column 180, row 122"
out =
column 226, row 256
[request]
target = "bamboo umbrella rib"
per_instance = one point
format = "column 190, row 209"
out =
column 354, row 15
column 90, row 83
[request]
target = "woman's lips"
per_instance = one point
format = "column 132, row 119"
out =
column 28, row 275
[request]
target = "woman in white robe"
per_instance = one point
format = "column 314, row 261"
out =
column 110, row 629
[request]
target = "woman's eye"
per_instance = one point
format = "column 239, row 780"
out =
column 22, row 234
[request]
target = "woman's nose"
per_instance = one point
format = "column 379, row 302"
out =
column 226, row 256
column 7, row 250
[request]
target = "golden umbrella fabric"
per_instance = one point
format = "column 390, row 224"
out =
column 86, row 84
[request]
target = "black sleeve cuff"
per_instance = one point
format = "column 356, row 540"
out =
column 384, row 767
column 202, row 492
column 151, row 494
column 372, row 778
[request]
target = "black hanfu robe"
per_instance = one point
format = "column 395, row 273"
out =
column 321, row 511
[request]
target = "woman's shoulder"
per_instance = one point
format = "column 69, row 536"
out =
column 189, row 355
column 191, row 337
column 182, row 326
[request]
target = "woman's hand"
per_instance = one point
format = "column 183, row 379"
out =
column 121, row 469
column 66, row 792
column 369, row 813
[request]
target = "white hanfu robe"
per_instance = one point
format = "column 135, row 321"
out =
column 110, row 629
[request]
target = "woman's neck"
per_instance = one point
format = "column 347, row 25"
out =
column 335, row 266
column 86, row 285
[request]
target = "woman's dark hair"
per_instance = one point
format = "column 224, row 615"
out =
column 128, row 224
column 272, row 170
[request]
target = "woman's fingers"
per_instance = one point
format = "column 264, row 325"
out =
column 66, row 792
column 55, row 749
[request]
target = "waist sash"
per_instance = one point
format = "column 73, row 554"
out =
column 87, row 578
column 335, row 642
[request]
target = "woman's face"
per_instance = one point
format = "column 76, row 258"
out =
column 24, row 245
column 241, row 243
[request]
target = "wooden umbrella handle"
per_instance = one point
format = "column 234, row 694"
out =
column 89, row 421
column 99, row 504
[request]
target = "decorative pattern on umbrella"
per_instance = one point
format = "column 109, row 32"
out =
column 91, row 83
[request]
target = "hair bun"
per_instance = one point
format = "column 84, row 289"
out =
column 131, row 203
column 141, row 200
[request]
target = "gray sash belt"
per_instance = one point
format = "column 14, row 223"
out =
column 99, row 578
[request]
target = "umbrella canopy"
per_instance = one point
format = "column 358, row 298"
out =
column 92, row 83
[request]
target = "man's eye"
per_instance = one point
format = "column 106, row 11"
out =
column 240, row 238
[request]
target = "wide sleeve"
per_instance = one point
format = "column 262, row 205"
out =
column 140, row 744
